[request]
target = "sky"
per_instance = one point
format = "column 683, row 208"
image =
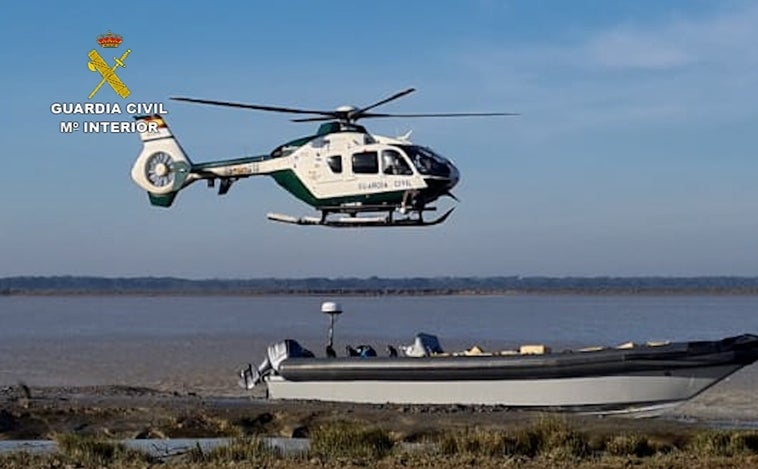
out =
column 634, row 154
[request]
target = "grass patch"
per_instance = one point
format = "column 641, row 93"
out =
column 240, row 449
column 92, row 451
column 23, row 459
column 475, row 442
column 719, row 443
column 343, row 440
column 629, row 445
column 199, row 426
column 556, row 438
column 544, row 442
column 548, row 436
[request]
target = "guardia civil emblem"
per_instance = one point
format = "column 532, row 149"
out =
column 108, row 73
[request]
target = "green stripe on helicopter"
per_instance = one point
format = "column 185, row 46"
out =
column 232, row 162
column 288, row 180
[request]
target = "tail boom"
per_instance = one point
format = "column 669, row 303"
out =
column 163, row 167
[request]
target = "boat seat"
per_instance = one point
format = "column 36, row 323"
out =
column 659, row 343
column 537, row 349
column 365, row 351
column 596, row 348
column 475, row 350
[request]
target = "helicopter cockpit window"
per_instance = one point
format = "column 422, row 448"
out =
column 427, row 162
column 335, row 163
column 365, row 163
column 394, row 163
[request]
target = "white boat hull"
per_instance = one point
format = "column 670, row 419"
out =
column 633, row 390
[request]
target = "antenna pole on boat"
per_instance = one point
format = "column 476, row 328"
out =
column 333, row 309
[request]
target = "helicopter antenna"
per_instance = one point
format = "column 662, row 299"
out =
column 333, row 310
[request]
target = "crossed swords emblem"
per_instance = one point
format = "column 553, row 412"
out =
column 97, row 64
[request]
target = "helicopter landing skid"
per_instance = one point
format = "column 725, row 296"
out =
column 359, row 222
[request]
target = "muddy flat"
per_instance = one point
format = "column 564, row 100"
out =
column 137, row 412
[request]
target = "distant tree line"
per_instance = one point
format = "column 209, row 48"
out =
column 70, row 285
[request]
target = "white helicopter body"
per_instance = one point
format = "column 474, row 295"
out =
column 341, row 170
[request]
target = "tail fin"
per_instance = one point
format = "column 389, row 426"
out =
column 162, row 167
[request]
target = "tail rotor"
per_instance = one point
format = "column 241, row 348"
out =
column 162, row 167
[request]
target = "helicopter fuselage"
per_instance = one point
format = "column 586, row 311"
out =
column 342, row 169
column 351, row 168
column 346, row 169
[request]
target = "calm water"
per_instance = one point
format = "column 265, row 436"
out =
column 507, row 319
column 198, row 343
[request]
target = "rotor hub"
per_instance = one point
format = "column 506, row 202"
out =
column 161, row 169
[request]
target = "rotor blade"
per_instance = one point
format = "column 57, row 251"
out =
column 444, row 114
column 258, row 107
column 360, row 112
column 313, row 119
column 449, row 114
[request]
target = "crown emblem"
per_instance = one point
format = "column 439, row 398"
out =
column 109, row 40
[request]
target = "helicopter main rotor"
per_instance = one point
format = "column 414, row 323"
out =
column 346, row 114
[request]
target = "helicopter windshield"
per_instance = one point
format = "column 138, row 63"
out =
column 426, row 161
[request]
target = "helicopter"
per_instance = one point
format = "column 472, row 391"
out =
column 352, row 177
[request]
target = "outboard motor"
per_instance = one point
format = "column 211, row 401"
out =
column 275, row 355
column 249, row 376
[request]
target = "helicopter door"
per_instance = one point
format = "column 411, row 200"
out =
column 365, row 167
column 397, row 171
column 320, row 166
column 394, row 164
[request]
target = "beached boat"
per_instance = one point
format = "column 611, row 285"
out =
column 631, row 377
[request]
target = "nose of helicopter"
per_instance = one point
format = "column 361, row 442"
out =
column 454, row 176
column 442, row 185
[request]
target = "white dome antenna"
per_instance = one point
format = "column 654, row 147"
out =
column 333, row 309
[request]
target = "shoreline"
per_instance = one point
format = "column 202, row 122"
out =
column 34, row 402
column 379, row 286
column 131, row 412
column 91, row 422
column 376, row 293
